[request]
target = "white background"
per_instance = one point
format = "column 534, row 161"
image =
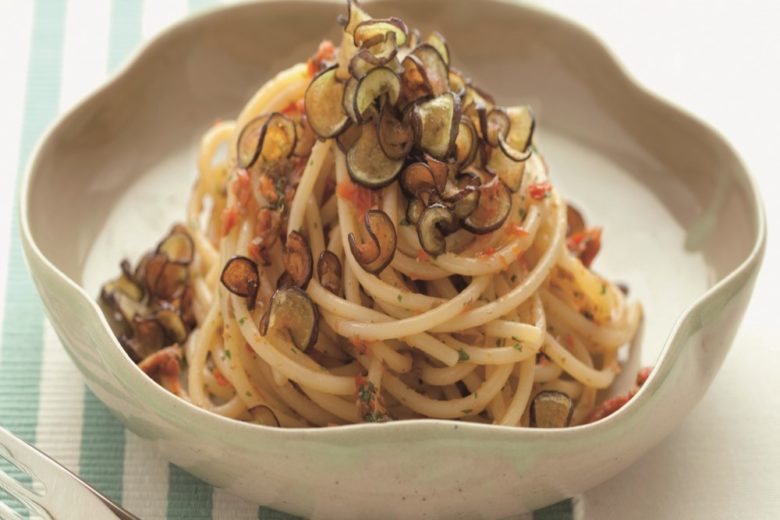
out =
column 721, row 61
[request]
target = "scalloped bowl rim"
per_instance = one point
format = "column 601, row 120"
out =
column 226, row 429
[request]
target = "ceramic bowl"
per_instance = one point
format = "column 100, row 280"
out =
column 683, row 226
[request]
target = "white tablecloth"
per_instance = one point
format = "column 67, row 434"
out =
column 718, row 59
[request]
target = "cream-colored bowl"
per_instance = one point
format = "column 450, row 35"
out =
column 683, row 226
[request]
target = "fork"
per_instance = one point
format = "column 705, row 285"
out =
column 47, row 489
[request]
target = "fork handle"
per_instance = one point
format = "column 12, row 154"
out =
column 55, row 492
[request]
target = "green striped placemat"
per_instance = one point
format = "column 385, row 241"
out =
column 34, row 373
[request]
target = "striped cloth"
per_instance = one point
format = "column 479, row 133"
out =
column 56, row 51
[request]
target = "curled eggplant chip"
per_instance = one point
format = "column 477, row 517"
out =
column 377, row 82
column 440, row 170
column 329, row 271
column 280, row 138
column 305, row 137
column 381, row 49
column 414, row 210
column 377, row 252
column 164, row 279
column 437, row 41
column 297, row 259
column 148, row 336
column 120, row 301
column 368, row 29
column 414, row 39
column 466, row 197
column 575, row 222
column 178, row 247
column 466, row 142
column 250, row 141
column 346, row 139
column 418, row 177
column 436, row 69
column 171, row 322
column 476, row 107
column 396, row 136
column 268, row 223
column 377, row 52
column 434, row 221
column 458, row 83
column 367, row 164
column 355, row 15
column 348, row 99
column 263, row 414
column 240, row 276
column 551, row 409
column 495, row 202
column 292, row 311
column 436, row 123
column 126, row 285
column 270, row 136
column 414, row 81
column 516, row 143
column 323, row 104
column 285, row 280
column 495, row 125
column 184, row 305
column 507, row 169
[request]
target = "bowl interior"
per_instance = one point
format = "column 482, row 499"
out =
column 117, row 174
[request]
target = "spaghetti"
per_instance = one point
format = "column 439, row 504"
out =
column 374, row 239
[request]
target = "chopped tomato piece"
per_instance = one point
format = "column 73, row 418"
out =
column 518, row 230
column 614, row 404
column 585, row 245
column 642, row 375
column 242, row 188
column 362, row 199
column 360, row 345
column 486, row 253
column 539, row 190
column 294, row 108
column 229, row 216
column 267, row 188
column 325, row 52
column 221, row 380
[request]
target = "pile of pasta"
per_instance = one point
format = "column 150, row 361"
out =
column 372, row 239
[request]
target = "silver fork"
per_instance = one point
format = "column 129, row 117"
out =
column 53, row 492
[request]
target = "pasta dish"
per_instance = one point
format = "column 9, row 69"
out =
column 375, row 238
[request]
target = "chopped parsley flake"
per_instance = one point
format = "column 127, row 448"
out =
column 405, row 222
column 521, row 212
column 462, row 355
column 241, row 321
column 366, row 391
column 248, row 393
column 228, row 355
column 517, row 346
column 603, row 288
column 399, row 297
column 375, row 416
